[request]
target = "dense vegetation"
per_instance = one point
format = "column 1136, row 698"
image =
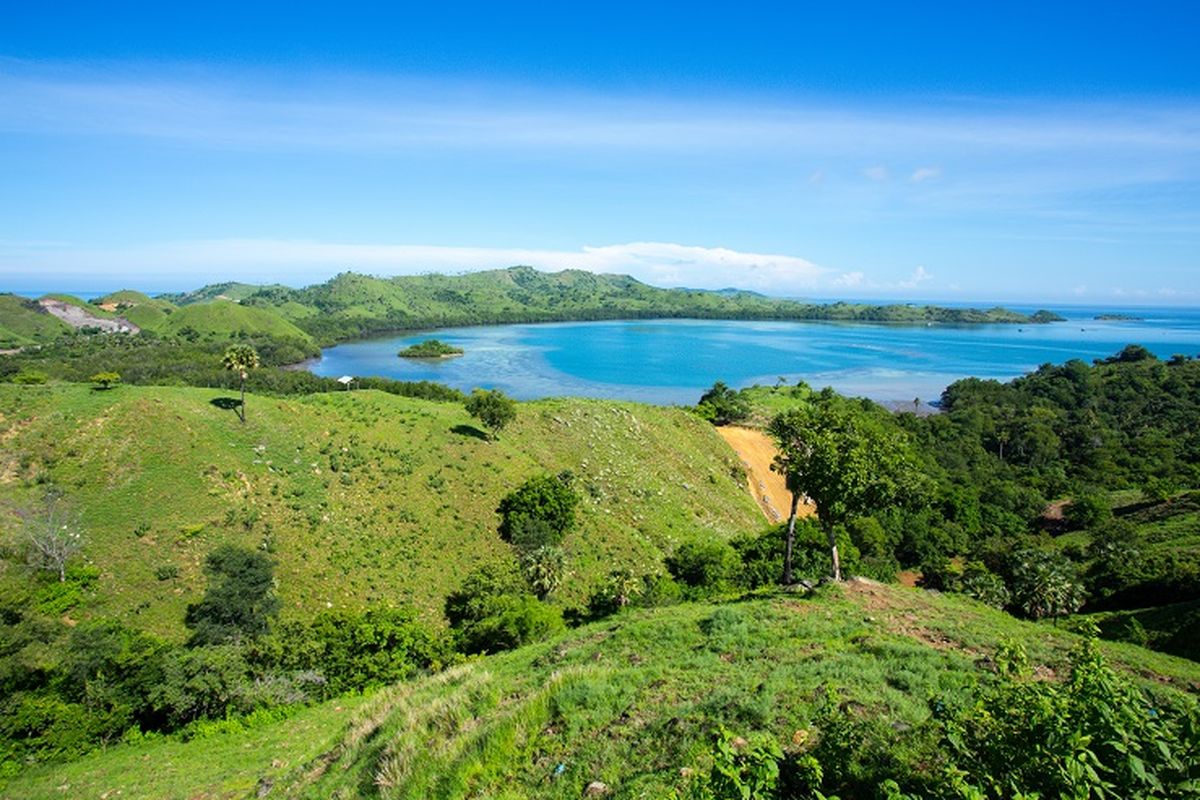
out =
column 1071, row 488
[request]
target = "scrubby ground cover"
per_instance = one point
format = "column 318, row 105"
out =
column 851, row 677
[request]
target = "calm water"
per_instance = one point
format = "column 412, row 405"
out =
column 674, row 361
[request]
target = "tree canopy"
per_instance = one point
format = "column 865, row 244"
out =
column 845, row 461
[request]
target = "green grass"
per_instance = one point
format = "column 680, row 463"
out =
column 362, row 497
column 225, row 317
column 23, row 322
column 629, row 701
column 233, row 762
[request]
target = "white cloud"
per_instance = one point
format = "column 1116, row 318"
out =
column 876, row 173
column 919, row 275
column 850, row 280
column 922, row 174
column 294, row 262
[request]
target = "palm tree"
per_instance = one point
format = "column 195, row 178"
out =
column 241, row 358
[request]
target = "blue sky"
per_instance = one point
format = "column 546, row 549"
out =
column 949, row 151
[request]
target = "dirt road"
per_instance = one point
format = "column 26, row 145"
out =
column 757, row 451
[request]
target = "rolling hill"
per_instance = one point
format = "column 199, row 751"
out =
column 362, row 497
column 24, row 322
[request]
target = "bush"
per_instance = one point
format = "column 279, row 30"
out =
column 538, row 513
column 1093, row 735
column 239, row 602
column 348, row 650
column 477, row 596
column 704, row 567
column 721, row 405
column 513, row 621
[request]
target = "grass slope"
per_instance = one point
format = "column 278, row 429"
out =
column 363, row 497
column 628, row 701
column 24, row 322
column 223, row 318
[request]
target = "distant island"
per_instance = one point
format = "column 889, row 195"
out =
column 1115, row 317
column 431, row 348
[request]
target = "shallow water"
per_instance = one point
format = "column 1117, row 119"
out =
column 674, row 361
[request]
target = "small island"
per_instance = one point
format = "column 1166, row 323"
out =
column 1115, row 317
column 430, row 348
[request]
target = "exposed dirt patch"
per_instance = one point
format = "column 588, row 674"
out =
column 77, row 317
column 757, row 452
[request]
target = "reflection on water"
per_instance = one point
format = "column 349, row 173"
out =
column 673, row 361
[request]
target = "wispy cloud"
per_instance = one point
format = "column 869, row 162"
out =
column 876, row 173
column 922, row 174
column 657, row 263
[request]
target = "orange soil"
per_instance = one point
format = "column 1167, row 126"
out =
column 757, row 451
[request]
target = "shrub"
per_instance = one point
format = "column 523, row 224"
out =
column 538, row 513
column 721, row 405
column 704, row 567
column 239, row 601
column 1045, row 584
column 350, row 650
column 513, row 621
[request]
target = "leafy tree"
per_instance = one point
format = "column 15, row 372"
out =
column 722, row 405
column 51, row 537
column 241, row 358
column 105, row 380
column 493, row 408
column 538, row 513
column 239, row 601
column 846, row 462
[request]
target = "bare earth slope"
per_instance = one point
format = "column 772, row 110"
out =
column 757, row 452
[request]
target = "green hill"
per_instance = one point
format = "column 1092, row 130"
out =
column 140, row 309
column 223, row 318
column 362, row 497
column 849, row 676
column 230, row 290
column 24, row 322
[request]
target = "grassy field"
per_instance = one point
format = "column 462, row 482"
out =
column 221, row 318
column 362, row 497
column 629, row 701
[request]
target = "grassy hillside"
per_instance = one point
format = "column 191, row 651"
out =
column 230, row 290
column 629, row 701
column 362, row 497
column 23, row 322
column 140, row 309
column 223, row 318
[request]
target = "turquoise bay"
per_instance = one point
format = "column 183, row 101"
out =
column 673, row 361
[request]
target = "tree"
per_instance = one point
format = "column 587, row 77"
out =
column 722, row 405
column 105, row 380
column 493, row 408
column 239, row 601
column 51, row 537
column 538, row 513
column 846, row 462
column 241, row 358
